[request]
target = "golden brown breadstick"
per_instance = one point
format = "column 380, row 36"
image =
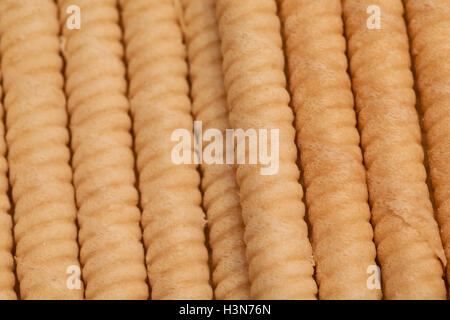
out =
column 173, row 221
column 221, row 193
column 336, row 191
column 408, row 245
column 7, row 278
column 278, row 250
column 429, row 27
column 44, row 215
column 111, row 252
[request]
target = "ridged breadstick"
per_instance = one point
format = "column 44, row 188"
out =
column 408, row 245
column 173, row 221
column 45, row 230
column 278, row 250
column 336, row 191
column 429, row 27
column 221, row 193
column 111, row 252
column 7, row 278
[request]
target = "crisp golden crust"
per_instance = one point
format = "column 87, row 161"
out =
column 221, row 193
column 278, row 250
column 336, row 191
column 173, row 221
column 112, row 254
column 429, row 27
column 408, row 245
column 45, row 230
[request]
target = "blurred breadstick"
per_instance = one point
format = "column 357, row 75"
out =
column 7, row 278
column 336, row 192
column 429, row 27
column 221, row 193
column 173, row 221
column 408, row 245
column 278, row 250
column 45, row 230
column 111, row 251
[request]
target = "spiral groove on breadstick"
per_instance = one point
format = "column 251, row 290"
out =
column 7, row 278
column 278, row 250
column 173, row 221
column 407, row 237
column 111, row 253
column 221, row 193
column 336, row 192
column 429, row 27
column 45, row 230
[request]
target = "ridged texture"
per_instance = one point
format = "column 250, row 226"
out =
column 173, row 221
column 221, row 193
column 278, row 250
column 336, row 191
column 429, row 27
column 408, row 245
column 7, row 278
column 40, row 175
column 112, row 254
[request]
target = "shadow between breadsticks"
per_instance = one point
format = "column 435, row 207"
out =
column 7, row 277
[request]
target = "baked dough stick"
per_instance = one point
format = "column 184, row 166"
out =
column 429, row 27
column 45, row 230
column 173, row 221
column 336, row 191
column 111, row 253
column 221, row 193
column 409, row 248
column 7, row 278
column 278, row 249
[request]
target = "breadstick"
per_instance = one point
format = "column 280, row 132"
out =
column 111, row 252
column 221, row 193
column 408, row 245
column 429, row 27
column 173, row 221
column 7, row 278
column 336, row 191
column 45, row 230
column 278, row 250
